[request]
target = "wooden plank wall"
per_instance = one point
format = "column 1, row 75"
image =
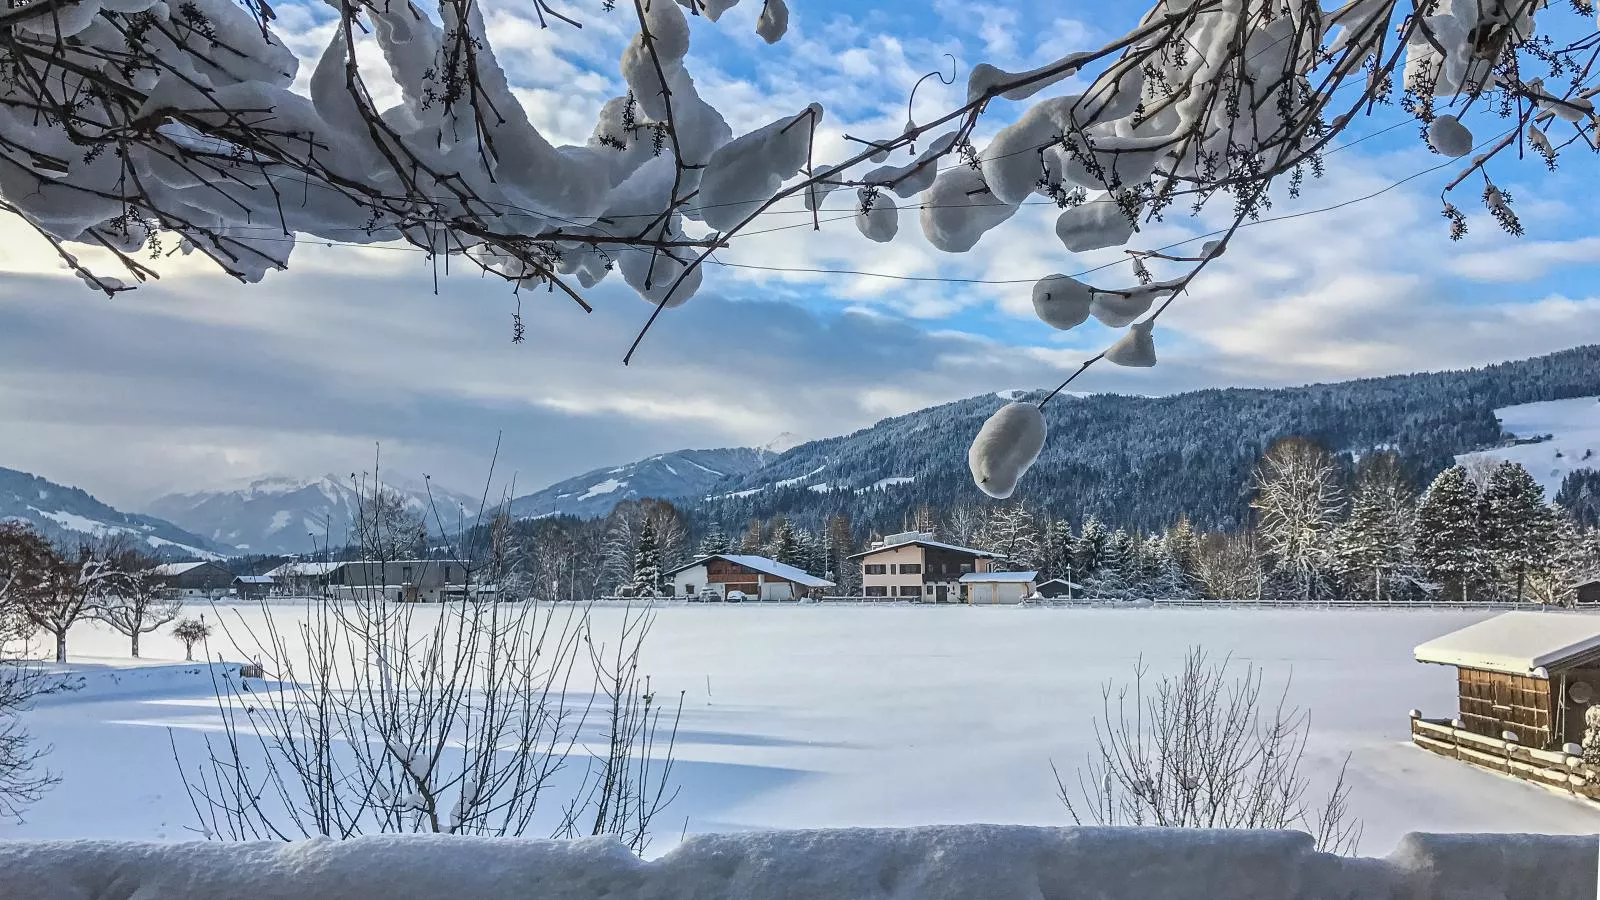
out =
column 1492, row 703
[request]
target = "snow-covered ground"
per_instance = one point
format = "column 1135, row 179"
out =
column 1574, row 427
column 815, row 716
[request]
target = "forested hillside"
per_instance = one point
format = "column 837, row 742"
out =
column 1141, row 461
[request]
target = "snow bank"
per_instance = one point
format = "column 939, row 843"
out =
column 978, row 861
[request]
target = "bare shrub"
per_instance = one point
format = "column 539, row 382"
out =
column 191, row 632
column 1202, row 750
column 22, row 779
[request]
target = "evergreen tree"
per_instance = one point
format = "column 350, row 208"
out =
column 1055, row 555
column 1579, row 495
column 842, row 570
column 715, row 542
column 1122, row 559
column 1522, row 539
column 785, row 546
column 1373, row 546
column 1089, row 553
column 647, row 562
column 752, row 544
column 1448, row 549
column 1183, row 545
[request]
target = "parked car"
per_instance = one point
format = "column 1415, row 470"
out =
column 706, row 596
column 736, row 597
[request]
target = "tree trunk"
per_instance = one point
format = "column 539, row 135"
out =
column 61, row 645
column 188, row 651
column 135, row 637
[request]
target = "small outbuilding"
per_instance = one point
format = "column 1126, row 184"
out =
column 1588, row 593
column 252, row 587
column 757, row 577
column 1059, row 589
column 984, row 588
column 1532, row 674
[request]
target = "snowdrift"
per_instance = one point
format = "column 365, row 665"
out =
column 937, row 863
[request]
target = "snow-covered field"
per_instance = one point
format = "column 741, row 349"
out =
column 820, row 716
column 1574, row 429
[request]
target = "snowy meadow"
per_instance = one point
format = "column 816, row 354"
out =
column 819, row 716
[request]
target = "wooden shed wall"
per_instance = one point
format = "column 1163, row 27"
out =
column 1493, row 702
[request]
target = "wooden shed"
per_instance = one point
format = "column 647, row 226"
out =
column 1530, row 673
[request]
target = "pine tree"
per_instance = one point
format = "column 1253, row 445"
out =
column 1372, row 547
column 714, row 543
column 1122, row 560
column 842, row 570
column 1448, row 549
column 785, row 547
column 1055, row 554
column 647, row 561
column 1522, row 541
column 1183, row 544
column 1579, row 495
column 752, row 544
column 1089, row 554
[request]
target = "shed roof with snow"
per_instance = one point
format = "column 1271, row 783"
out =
column 1001, row 577
column 255, row 579
column 1518, row 643
column 763, row 565
column 304, row 569
column 168, row 570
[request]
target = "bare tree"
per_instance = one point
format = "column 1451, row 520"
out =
column 1297, row 503
column 191, row 632
column 22, row 779
column 1228, row 567
column 25, row 557
column 71, row 589
column 1202, row 750
column 137, row 602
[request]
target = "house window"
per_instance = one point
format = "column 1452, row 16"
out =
column 405, row 574
column 966, row 568
column 688, row 590
column 876, row 591
column 911, row 569
column 446, row 573
column 894, row 569
column 911, row 590
column 875, row 569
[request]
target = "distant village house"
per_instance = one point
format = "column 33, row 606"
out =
column 912, row 565
column 756, row 577
column 194, row 580
column 988, row 588
column 401, row 581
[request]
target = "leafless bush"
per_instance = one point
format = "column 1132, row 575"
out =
column 1202, row 750
column 191, row 632
column 22, row 779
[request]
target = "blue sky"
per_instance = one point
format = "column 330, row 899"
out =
column 199, row 382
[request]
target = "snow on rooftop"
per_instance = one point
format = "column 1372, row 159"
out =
column 291, row 569
column 897, row 541
column 1002, row 577
column 167, row 570
column 765, row 566
column 1516, row 643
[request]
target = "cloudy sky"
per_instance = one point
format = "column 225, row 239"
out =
column 199, row 382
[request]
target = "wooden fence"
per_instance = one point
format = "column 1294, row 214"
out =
column 1551, row 768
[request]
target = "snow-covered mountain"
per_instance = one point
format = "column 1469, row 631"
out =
column 299, row 515
column 66, row 515
column 683, row 473
column 1551, row 440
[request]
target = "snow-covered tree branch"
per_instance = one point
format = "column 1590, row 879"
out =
column 144, row 127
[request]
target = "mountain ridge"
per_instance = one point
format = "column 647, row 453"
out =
column 65, row 515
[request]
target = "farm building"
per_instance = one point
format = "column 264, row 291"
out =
column 756, row 577
column 1530, row 674
column 301, row 579
column 190, row 580
column 252, row 587
column 984, row 588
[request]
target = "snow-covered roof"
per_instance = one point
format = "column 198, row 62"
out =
column 1003, row 577
column 923, row 542
column 1063, row 582
column 291, row 569
column 765, row 566
column 167, row 570
column 1517, row 643
column 255, row 579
